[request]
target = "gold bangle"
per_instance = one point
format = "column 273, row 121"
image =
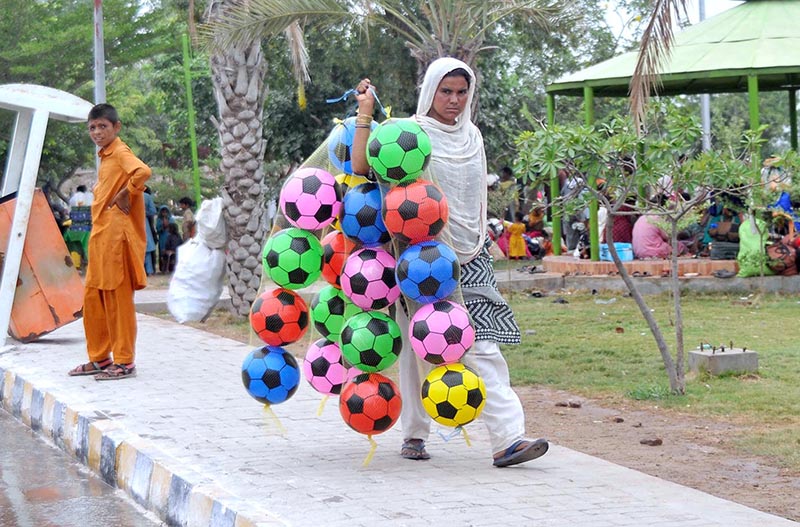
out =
column 365, row 115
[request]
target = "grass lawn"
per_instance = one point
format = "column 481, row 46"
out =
column 600, row 349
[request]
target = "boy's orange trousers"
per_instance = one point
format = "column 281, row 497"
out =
column 109, row 320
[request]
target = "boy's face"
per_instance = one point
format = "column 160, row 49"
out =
column 103, row 131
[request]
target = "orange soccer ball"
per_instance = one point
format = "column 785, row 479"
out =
column 335, row 249
column 279, row 317
column 416, row 212
column 370, row 403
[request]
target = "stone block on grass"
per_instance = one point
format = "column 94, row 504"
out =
column 717, row 362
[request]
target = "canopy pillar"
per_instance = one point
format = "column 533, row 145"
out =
column 752, row 96
column 594, row 238
column 555, row 190
column 793, row 118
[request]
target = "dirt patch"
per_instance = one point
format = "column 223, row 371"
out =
column 693, row 451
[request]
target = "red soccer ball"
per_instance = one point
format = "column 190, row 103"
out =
column 335, row 249
column 370, row 403
column 279, row 317
column 416, row 212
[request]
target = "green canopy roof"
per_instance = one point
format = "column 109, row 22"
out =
column 758, row 37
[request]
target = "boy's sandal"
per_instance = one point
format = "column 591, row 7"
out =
column 117, row 371
column 414, row 449
column 90, row 368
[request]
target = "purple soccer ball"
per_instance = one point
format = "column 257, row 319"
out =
column 311, row 199
column 441, row 332
column 324, row 369
column 368, row 278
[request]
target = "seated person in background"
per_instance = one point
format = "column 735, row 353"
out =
column 535, row 221
column 651, row 241
column 721, row 223
column 775, row 177
column 622, row 225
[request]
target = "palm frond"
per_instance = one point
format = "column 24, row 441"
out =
column 299, row 55
column 657, row 41
column 298, row 52
column 243, row 22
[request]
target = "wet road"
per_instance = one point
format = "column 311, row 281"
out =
column 41, row 487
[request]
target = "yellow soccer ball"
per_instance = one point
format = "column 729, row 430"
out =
column 453, row 394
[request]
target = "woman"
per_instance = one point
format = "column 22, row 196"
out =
column 458, row 165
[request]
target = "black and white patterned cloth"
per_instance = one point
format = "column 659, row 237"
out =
column 491, row 315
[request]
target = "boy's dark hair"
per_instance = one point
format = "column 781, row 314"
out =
column 186, row 201
column 104, row 111
column 172, row 228
column 519, row 216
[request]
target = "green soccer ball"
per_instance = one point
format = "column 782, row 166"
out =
column 398, row 151
column 370, row 341
column 329, row 311
column 292, row 258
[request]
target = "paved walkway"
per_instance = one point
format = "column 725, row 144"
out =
column 187, row 442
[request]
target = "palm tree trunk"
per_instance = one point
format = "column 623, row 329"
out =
column 238, row 79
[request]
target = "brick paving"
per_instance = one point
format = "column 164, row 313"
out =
column 186, row 441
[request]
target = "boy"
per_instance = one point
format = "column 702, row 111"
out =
column 117, row 245
column 188, row 226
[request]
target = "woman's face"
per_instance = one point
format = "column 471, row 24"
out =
column 450, row 99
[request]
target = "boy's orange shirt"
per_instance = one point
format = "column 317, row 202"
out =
column 117, row 237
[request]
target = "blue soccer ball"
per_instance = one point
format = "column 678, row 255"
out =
column 340, row 144
column 361, row 217
column 270, row 374
column 428, row 272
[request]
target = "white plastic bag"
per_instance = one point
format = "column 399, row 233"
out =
column 211, row 224
column 197, row 284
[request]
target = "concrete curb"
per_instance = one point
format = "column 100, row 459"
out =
column 177, row 495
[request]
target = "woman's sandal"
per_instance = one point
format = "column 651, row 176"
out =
column 514, row 455
column 117, row 371
column 414, row 449
column 90, row 368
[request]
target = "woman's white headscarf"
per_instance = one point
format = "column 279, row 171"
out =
column 458, row 162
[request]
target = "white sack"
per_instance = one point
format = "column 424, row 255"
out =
column 197, row 284
column 211, row 224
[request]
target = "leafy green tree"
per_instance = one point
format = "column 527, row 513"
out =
column 591, row 152
column 517, row 65
column 49, row 42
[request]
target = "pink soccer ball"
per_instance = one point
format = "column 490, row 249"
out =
column 311, row 199
column 324, row 368
column 441, row 332
column 368, row 278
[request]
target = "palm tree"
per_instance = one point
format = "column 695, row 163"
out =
column 431, row 29
column 238, row 79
